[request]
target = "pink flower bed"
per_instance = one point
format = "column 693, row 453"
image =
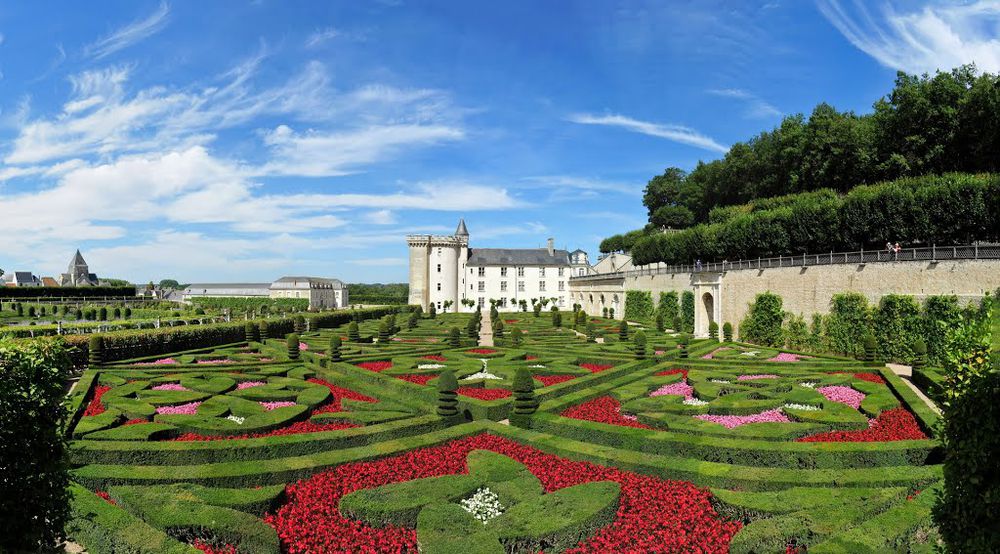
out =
column 214, row 362
column 170, row 386
column 249, row 384
column 275, row 405
column 786, row 357
column 730, row 421
column 711, row 354
column 191, row 408
column 681, row 388
column 755, row 377
column 842, row 394
column 303, row 346
column 659, row 352
column 163, row 361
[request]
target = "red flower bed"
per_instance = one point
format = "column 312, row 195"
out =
column 209, row 549
column 596, row 368
column 95, row 407
column 420, row 379
column 481, row 351
column 549, row 380
column 435, row 357
column 339, row 393
column 654, row 515
column 134, row 422
column 870, row 377
column 375, row 366
column 107, row 497
column 683, row 372
column 603, row 409
column 529, row 357
column 509, row 321
column 483, row 394
column 897, row 424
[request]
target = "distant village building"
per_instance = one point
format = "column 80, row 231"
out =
column 320, row 292
column 78, row 274
column 445, row 269
column 49, row 282
column 21, row 279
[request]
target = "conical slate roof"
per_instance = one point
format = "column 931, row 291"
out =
column 461, row 231
column 77, row 259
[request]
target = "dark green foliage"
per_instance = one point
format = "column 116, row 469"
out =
column 579, row 319
column 687, row 311
column 869, row 346
column 127, row 313
column 640, row 345
column 638, row 305
column 919, row 354
column 264, row 330
column 292, row 344
column 67, row 292
column 660, row 326
column 537, row 309
column 455, row 338
column 432, row 311
column 35, row 502
column 352, row 332
column 472, row 327
column 897, row 324
column 816, row 339
column 940, row 313
column 669, row 305
column 966, row 512
column 384, row 331
column 261, row 305
column 411, row 321
column 31, row 311
column 117, row 313
column 556, row 317
column 379, row 293
column 447, row 405
column 713, row 330
column 334, row 352
column 102, row 314
column 252, row 332
column 683, row 343
column 796, row 332
column 524, row 392
column 678, row 324
column 516, row 337
column 623, row 331
column 498, row 328
column 611, row 313
column 591, row 332
column 299, row 324
column 763, row 322
column 727, row 331
column 604, row 313
column 848, row 322
column 95, row 350
column 199, row 311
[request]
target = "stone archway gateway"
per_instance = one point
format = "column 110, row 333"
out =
column 708, row 300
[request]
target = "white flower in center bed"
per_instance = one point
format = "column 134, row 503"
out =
column 482, row 375
column 537, row 366
column 484, row 505
column 808, row 385
column 430, row 366
column 750, row 353
column 236, row 419
column 719, row 381
column 694, row 402
column 804, row 407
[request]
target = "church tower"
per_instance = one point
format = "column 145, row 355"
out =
column 437, row 269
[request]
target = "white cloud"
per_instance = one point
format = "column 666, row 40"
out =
column 675, row 133
column 321, row 36
column 534, row 228
column 756, row 106
column 381, row 217
column 129, row 34
column 565, row 185
column 938, row 36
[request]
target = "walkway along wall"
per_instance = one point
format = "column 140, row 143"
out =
column 725, row 295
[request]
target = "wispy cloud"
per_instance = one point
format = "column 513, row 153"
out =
column 320, row 36
column 675, row 133
column 756, row 106
column 934, row 37
column 129, row 34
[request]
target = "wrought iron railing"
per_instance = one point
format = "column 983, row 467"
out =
column 931, row 254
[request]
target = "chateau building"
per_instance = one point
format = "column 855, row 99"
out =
column 78, row 274
column 446, row 272
column 320, row 292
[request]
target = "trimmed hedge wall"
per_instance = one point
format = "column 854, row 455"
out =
column 66, row 292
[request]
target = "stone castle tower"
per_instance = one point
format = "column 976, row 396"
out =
column 437, row 268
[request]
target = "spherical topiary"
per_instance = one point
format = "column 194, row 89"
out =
column 292, row 342
column 352, row 332
column 640, row 345
column 95, row 350
column 455, row 338
column 299, row 324
column 447, row 386
column 869, row 344
column 919, row 354
column 611, row 313
column 713, row 330
column 604, row 313
column 623, row 331
column 727, row 331
column 333, row 353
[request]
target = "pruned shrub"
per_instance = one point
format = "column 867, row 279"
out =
column 265, row 330
column 525, row 402
column 292, row 343
column 919, row 354
column 623, row 331
column 455, row 338
column 299, row 324
column 447, row 385
column 868, row 347
column 659, row 322
column 713, row 330
column 640, row 345
column 684, row 346
column 251, row 331
column 95, row 351
column 352, row 332
column 727, row 331
column 591, row 332
column 516, row 337
column 432, row 311
column 763, row 322
column 334, row 352
column 687, row 311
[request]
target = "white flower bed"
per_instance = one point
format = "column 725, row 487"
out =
column 808, row 385
column 484, row 505
column 804, row 407
column 482, row 375
column 719, row 381
column 430, row 366
column 694, row 402
column 752, row 353
column 537, row 366
column 236, row 419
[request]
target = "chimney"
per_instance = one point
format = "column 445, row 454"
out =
column 552, row 244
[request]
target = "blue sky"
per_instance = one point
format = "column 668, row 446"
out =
column 217, row 141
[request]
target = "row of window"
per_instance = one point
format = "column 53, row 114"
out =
column 503, row 302
column 520, row 286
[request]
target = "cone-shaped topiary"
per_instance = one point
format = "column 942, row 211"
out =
column 727, row 331
column 581, row 318
column 556, row 319
column 498, row 328
column 591, row 332
column 265, row 330
column 713, row 330
column 333, row 353
column 250, row 331
column 525, row 402
column 537, row 309
column 95, row 350
column 660, row 326
column 640, row 345
column 447, row 386
column 919, row 354
column 516, row 337
column 869, row 344
column 411, row 322
column 472, row 328
column 455, row 338
column 623, row 331
column 292, row 342
column 384, row 331
column 432, row 312
column 352, row 332
column 299, row 324
column 684, row 346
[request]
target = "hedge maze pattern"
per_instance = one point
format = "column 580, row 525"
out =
column 714, row 446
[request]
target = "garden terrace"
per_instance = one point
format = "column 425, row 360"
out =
column 247, row 445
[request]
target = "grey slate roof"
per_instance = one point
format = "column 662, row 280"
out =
column 461, row 231
column 77, row 259
column 517, row 256
column 294, row 282
column 227, row 289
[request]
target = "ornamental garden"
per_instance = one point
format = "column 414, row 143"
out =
column 390, row 430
